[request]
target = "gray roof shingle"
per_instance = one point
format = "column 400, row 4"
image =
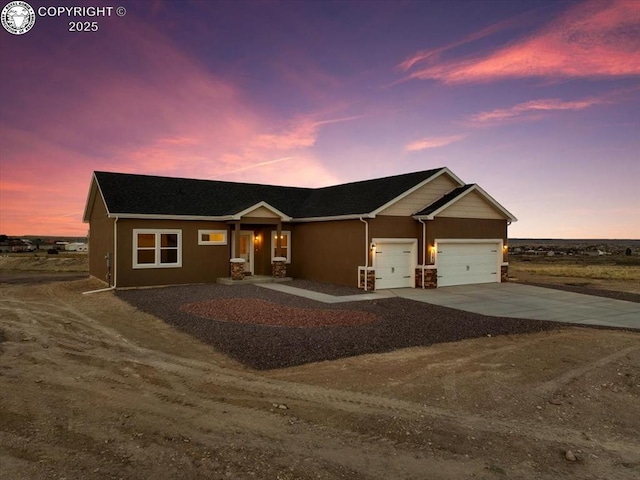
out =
column 152, row 195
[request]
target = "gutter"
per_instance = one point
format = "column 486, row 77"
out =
column 115, row 251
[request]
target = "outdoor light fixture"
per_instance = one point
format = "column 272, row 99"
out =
column 373, row 246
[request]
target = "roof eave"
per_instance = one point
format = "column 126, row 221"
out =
column 354, row 216
column 153, row 216
column 86, row 216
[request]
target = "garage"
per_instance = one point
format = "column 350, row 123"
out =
column 468, row 262
column 394, row 262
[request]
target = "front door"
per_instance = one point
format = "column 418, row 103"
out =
column 246, row 250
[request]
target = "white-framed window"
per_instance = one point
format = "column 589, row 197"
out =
column 212, row 237
column 154, row 248
column 285, row 243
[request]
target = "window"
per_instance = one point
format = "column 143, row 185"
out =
column 212, row 237
column 285, row 243
column 157, row 248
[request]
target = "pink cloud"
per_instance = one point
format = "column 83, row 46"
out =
column 435, row 52
column 593, row 39
column 534, row 107
column 168, row 116
column 432, row 142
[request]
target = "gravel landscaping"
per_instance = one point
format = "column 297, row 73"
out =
column 229, row 319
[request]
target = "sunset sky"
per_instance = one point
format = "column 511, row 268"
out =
column 537, row 102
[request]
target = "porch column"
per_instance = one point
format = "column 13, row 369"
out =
column 236, row 240
column 279, row 239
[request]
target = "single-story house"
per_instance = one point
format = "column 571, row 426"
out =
column 424, row 230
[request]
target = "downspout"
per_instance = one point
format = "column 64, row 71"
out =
column 424, row 248
column 115, row 252
column 366, row 252
column 113, row 262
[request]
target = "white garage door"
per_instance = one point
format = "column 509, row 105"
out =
column 467, row 263
column 394, row 265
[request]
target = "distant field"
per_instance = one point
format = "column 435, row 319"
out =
column 607, row 272
column 41, row 262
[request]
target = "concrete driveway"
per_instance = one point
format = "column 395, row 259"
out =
column 526, row 301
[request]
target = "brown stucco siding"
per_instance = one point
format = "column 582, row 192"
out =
column 443, row 227
column 327, row 251
column 200, row 263
column 386, row 226
column 100, row 239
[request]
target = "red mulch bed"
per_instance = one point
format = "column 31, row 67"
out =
column 261, row 312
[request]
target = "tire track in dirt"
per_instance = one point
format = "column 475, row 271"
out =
column 572, row 375
column 185, row 376
column 352, row 402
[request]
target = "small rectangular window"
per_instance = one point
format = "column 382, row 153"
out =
column 212, row 237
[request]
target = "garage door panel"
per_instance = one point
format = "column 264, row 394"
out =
column 467, row 263
column 394, row 265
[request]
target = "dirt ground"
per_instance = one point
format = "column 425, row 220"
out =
column 92, row 388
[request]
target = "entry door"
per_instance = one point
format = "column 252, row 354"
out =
column 246, row 249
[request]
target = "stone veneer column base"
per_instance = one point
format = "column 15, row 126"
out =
column 371, row 280
column 279, row 267
column 504, row 273
column 430, row 277
column 237, row 268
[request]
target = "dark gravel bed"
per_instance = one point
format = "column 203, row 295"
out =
column 328, row 288
column 403, row 323
column 628, row 296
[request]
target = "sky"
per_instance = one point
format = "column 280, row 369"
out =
column 538, row 102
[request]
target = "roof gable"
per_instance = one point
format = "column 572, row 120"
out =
column 457, row 196
column 262, row 210
column 422, row 194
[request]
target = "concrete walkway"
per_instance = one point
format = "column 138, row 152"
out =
column 503, row 300
column 527, row 301
column 323, row 297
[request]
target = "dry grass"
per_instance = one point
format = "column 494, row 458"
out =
column 630, row 273
column 41, row 262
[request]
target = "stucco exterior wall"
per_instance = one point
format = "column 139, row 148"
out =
column 327, row 251
column 200, row 263
column 466, row 228
column 100, row 239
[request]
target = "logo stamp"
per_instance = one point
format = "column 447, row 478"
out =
column 18, row 17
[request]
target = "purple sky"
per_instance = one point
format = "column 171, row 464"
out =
column 538, row 102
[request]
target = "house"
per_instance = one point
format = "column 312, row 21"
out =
column 424, row 229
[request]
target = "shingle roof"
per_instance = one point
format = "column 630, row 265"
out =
column 152, row 195
column 442, row 201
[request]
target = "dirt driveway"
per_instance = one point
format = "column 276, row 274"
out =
column 93, row 388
